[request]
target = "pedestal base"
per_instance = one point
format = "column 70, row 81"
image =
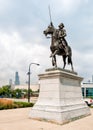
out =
column 60, row 98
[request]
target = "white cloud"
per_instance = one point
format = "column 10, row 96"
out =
column 66, row 6
column 83, row 64
column 17, row 55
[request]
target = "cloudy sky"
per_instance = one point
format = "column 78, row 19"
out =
column 22, row 41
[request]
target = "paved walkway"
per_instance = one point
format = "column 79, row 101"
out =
column 17, row 119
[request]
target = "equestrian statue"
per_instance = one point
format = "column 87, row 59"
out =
column 59, row 45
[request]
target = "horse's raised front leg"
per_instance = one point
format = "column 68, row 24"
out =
column 53, row 54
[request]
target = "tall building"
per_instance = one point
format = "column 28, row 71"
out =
column 10, row 82
column 17, row 81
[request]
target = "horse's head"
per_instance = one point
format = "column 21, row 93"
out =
column 49, row 30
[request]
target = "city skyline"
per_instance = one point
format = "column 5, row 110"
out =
column 22, row 41
column 17, row 78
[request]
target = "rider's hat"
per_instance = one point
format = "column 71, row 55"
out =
column 61, row 25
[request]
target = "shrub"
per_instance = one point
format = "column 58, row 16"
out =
column 6, row 104
column 9, row 104
column 23, row 104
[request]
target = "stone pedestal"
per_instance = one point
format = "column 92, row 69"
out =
column 60, row 98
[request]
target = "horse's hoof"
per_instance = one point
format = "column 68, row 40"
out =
column 56, row 66
column 51, row 55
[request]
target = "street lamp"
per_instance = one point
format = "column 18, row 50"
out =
column 29, row 80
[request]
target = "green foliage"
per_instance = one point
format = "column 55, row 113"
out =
column 17, row 93
column 5, row 91
column 1, row 91
column 23, row 104
column 90, row 97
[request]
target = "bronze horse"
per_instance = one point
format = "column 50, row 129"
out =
column 55, row 49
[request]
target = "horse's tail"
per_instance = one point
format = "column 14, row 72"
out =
column 70, row 54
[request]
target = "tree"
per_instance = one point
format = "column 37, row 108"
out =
column 1, row 92
column 5, row 91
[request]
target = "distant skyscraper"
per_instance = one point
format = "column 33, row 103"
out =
column 17, row 81
column 10, row 82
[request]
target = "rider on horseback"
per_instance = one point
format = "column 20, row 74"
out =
column 59, row 45
column 61, row 37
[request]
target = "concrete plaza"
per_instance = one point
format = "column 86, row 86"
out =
column 17, row 119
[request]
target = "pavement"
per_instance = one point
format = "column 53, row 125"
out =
column 17, row 119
